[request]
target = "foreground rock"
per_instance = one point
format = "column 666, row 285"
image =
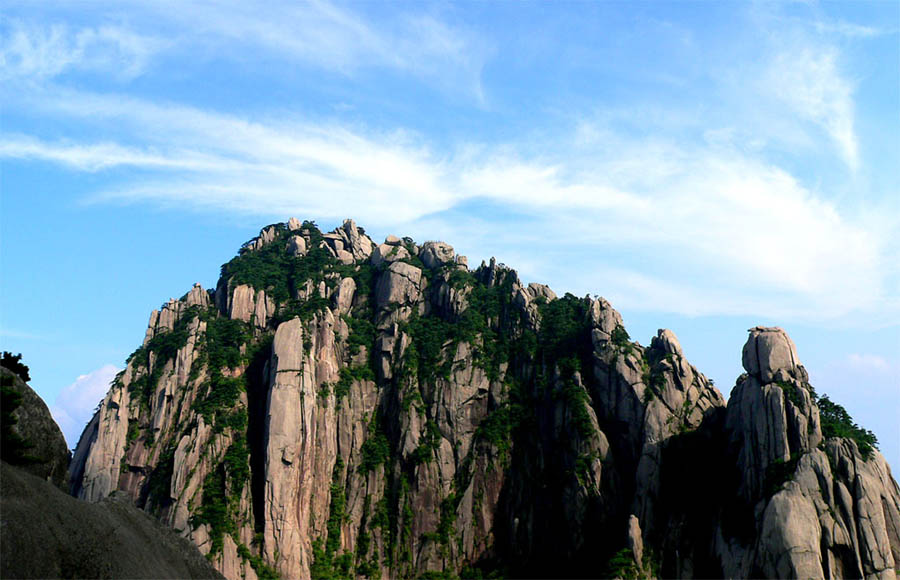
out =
column 44, row 452
column 48, row 534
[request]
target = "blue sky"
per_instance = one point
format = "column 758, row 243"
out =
column 706, row 167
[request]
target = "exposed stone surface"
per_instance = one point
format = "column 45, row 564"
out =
column 822, row 510
column 242, row 303
column 404, row 420
column 767, row 351
column 297, row 246
column 401, row 284
column 48, row 534
column 668, row 342
column 357, row 243
column 46, row 447
column 343, row 297
column 635, row 541
column 388, row 253
column 436, row 254
column 266, row 235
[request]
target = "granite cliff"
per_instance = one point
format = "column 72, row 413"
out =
column 338, row 407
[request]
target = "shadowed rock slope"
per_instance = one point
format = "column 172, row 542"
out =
column 338, row 407
column 48, row 534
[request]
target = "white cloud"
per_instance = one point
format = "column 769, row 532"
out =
column 94, row 157
column 41, row 51
column 738, row 234
column 331, row 37
column 807, row 79
column 848, row 29
column 870, row 363
column 75, row 404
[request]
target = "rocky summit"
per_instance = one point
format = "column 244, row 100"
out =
column 339, row 407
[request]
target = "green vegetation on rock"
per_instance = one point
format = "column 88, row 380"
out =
column 222, row 350
column 160, row 480
column 13, row 447
column 376, row 449
column 263, row 570
column 165, row 346
column 13, row 362
column 326, row 564
column 837, row 422
column 778, row 473
column 222, row 490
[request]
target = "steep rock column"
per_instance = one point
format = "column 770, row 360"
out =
column 299, row 458
column 819, row 510
column 288, row 418
column 102, row 464
column 771, row 415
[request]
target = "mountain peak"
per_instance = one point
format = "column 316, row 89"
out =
column 342, row 407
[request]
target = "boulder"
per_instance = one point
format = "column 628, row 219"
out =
column 345, row 257
column 436, row 254
column 388, row 253
column 334, row 240
column 343, row 296
column 264, row 309
column 667, row 341
column 266, row 235
column 297, row 246
column 535, row 290
column 197, row 297
column 401, row 284
column 357, row 243
column 604, row 319
column 768, row 350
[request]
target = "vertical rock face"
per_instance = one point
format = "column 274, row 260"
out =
column 341, row 408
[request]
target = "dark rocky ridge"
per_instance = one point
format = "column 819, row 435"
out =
column 48, row 534
column 338, row 407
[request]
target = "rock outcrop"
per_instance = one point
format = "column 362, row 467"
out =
column 823, row 509
column 48, row 534
column 40, row 447
column 338, row 407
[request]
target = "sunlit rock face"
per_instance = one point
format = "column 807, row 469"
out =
column 340, row 407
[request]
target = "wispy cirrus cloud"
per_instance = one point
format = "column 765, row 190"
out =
column 677, row 191
column 330, row 36
column 37, row 51
column 808, row 80
column 763, row 240
column 849, row 29
column 870, row 363
column 93, row 157
column 322, row 35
